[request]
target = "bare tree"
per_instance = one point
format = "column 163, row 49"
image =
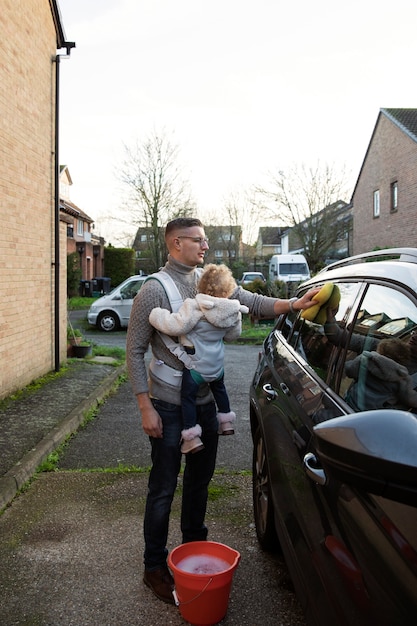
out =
column 241, row 210
column 156, row 191
column 309, row 200
column 225, row 230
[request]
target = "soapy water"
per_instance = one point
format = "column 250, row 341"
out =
column 203, row 564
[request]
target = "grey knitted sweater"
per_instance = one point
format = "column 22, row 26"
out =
column 141, row 335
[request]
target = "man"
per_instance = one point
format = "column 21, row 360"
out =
column 159, row 402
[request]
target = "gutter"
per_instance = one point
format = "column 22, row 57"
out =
column 68, row 45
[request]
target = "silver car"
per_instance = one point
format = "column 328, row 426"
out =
column 112, row 311
column 249, row 277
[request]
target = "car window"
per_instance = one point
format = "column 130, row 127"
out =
column 381, row 353
column 309, row 339
column 252, row 277
column 130, row 290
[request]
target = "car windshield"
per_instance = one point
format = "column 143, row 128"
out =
column 293, row 268
column 252, row 276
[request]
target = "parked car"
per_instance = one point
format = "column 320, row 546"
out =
column 335, row 487
column 112, row 311
column 249, row 277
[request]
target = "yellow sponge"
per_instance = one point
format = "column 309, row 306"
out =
column 321, row 317
column 324, row 294
column 310, row 314
column 334, row 299
column 327, row 297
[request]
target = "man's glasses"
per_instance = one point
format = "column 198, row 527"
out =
column 200, row 240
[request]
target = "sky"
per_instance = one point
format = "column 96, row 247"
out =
column 243, row 88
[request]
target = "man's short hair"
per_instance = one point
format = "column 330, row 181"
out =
column 180, row 223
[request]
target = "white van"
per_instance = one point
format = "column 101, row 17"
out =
column 112, row 311
column 289, row 268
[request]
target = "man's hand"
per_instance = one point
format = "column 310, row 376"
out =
column 306, row 301
column 151, row 420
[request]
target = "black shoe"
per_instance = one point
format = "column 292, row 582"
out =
column 161, row 582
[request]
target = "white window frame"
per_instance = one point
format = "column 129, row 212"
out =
column 394, row 195
column 377, row 203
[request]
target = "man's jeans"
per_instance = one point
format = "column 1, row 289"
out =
column 166, row 463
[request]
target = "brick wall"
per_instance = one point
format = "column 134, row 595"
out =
column 392, row 156
column 27, row 264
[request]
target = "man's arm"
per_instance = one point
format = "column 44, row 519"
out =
column 265, row 307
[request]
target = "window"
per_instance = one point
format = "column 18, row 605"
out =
column 394, row 196
column 293, row 268
column 130, row 290
column 218, row 254
column 143, row 238
column 80, row 227
column 311, row 342
column 376, row 203
column 372, row 377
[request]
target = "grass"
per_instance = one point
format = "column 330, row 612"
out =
column 254, row 333
column 116, row 353
column 78, row 303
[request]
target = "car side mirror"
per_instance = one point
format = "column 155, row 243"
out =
column 375, row 451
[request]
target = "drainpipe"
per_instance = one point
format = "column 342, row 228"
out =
column 68, row 45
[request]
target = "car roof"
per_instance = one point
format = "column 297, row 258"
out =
column 396, row 265
column 252, row 274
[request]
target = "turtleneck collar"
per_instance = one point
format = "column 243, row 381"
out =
column 179, row 267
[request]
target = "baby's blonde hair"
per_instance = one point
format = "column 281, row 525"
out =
column 217, row 281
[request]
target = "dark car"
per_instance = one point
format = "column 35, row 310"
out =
column 334, row 429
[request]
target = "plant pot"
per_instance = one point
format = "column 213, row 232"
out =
column 79, row 352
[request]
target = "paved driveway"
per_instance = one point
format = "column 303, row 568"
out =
column 71, row 546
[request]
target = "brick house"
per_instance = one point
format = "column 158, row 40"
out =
column 269, row 241
column 143, row 245
column 33, row 316
column 225, row 244
column 80, row 233
column 385, row 196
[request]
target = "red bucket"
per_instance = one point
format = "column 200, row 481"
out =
column 203, row 573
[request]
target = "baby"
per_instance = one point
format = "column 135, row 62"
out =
column 203, row 323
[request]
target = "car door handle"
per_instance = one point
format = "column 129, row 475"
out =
column 285, row 389
column 270, row 392
column 313, row 470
